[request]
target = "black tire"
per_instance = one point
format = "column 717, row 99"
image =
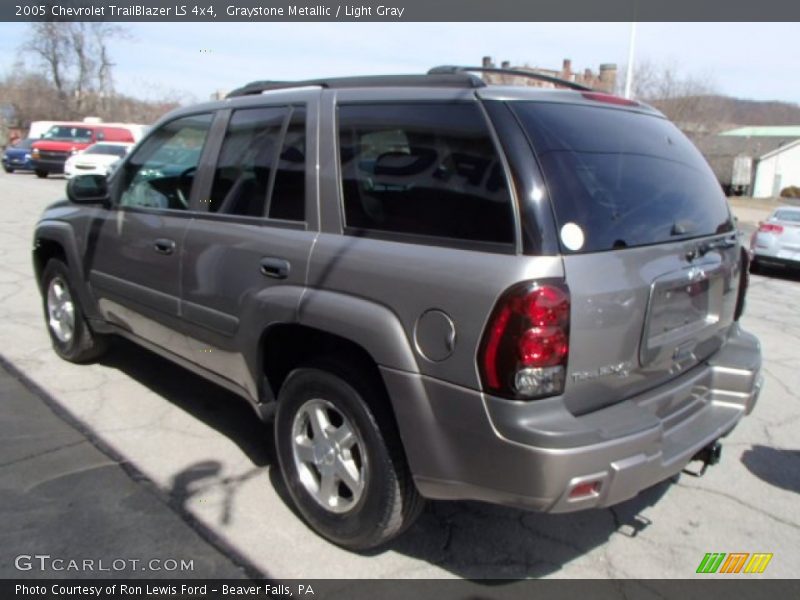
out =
column 83, row 345
column 755, row 267
column 8, row 169
column 41, row 174
column 389, row 502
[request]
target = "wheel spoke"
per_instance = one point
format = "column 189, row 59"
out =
column 304, row 450
column 319, row 422
column 327, row 488
column 349, row 475
column 343, row 436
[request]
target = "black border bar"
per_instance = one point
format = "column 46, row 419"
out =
column 399, row 10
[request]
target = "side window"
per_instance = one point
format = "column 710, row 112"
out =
column 424, row 169
column 161, row 172
column 246, row 162
column 289, row 192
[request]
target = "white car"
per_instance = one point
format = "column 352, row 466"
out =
column 776, row 243
column 97, row 159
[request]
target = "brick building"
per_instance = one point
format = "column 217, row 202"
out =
column 604, row 80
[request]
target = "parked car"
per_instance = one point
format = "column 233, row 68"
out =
column 435, row 288
column 776, row 242
column 17, row 157
column 50, row 153
column 97, row 159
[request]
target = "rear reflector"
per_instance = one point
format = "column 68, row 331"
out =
column 585, row 489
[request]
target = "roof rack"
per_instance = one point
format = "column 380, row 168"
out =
column 450, row 69
column 455, row 79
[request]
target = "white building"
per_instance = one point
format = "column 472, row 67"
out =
column 777, row 170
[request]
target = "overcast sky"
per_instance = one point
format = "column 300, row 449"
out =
column 748, row 60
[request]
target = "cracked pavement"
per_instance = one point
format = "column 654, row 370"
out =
column 208, row 454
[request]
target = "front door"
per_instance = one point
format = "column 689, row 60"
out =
column 136, row 247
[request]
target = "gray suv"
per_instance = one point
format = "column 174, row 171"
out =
column 435, row 288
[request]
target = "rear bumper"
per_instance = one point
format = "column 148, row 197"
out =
column 466, row 446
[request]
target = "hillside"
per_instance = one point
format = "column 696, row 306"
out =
column 716, row 113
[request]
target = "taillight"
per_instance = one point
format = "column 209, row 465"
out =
column 525, row 346
column 770, row 228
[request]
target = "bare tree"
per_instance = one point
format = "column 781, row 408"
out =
column 691, row 101
column 76, row 59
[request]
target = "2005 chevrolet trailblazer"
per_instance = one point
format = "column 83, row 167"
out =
column 437, row 288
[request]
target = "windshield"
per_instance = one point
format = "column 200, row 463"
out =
column 23, row 144
column 623, row 178
column 68, row 133
column 106, row 149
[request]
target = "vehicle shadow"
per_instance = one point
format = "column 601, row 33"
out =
column 777, row 273
column 468, row 539
column 777, row 467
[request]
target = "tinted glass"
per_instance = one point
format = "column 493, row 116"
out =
column 246, row 161
column 161, row 172
column 289, row 190
column 423, row 169
column 24, row 144
column 68, row 133
column 625, row 178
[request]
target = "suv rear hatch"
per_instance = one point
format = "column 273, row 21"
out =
column 650, row 250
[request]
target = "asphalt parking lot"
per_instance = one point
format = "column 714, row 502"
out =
column 207, row 454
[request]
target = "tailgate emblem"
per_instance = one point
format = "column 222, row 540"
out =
column 621, row 370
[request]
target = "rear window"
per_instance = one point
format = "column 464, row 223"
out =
column 619, row 179
column 787, row 215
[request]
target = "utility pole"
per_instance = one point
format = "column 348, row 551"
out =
column 629, row 71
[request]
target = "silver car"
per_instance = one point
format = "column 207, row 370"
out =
column 776, row 243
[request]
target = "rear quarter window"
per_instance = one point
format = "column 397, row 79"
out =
column 426, row 170
column 624, row 178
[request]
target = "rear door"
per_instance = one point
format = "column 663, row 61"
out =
column 246, row 252
column 649, row 246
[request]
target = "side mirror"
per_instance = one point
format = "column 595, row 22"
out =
column 88, row 189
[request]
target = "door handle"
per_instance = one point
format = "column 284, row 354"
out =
column 164, row 246
column 277, row 268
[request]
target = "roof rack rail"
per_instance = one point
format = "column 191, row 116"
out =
column 445, row 69
column 455, row 79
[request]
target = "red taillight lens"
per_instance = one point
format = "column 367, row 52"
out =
column 770, row 228
column 526, row 343
column 543, row 347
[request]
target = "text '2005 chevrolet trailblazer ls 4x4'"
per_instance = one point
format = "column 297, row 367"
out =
column 437, row 288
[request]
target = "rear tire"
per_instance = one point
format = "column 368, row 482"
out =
column 72, row 338
column 41, row 174
column 370, row 496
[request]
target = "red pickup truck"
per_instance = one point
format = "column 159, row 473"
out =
column 62, row 140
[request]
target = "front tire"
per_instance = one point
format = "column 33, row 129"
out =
column 344, row 471
column 72, row 338
column 41, row 174
column 8, row 169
